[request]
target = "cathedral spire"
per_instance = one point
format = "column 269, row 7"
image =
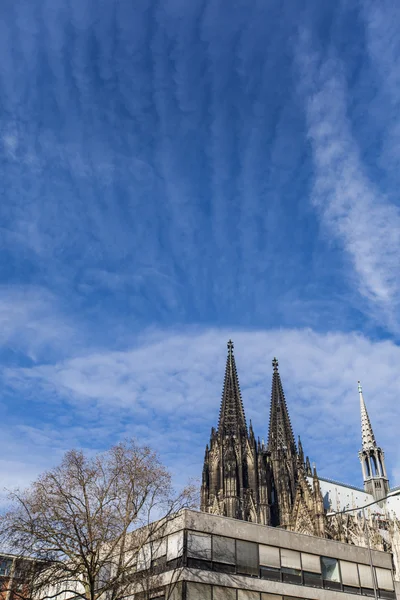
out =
column 232, row 420
column 280, row 435
column 368, row 438
column 371, row 456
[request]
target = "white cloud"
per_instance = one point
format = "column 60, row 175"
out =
column 353, row 209
column 31, row 322
column 166, row 392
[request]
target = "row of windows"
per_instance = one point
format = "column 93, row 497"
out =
column 282, row 564
column 202, row 591
column 227, row 555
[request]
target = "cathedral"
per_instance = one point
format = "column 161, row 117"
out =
column 274, row 483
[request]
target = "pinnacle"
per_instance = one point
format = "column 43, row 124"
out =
column 367, row 434
column 232, row 420
column 280, row 429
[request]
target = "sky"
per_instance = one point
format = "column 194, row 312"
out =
column 174, row 174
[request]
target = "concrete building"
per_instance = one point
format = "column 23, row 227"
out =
column 273, row 483
column 209, row 557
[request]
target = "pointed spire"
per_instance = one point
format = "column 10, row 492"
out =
column 368, row 438
column 232, row 420
column 301, row 452
column 280, row 429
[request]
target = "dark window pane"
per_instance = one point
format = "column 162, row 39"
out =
column 223, row 549
column 332, row 585
column 391, row 595
column 270, row 573
column 223, row 568
column 195, row 563
column 350, row 589
column 291, row 575
column 247, row 558
column 312, row 579
column 367, row 591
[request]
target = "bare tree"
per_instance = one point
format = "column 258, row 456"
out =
column 87, row 522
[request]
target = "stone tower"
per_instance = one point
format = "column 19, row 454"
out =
column 371, row 456
column 282, row 452
column 236, row 479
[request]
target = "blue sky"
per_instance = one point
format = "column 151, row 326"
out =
column 176, row 173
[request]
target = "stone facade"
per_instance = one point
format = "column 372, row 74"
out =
column 273, row 483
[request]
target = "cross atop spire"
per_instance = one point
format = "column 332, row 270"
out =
column 280, row 429
column 232, row 420
column 368, row 438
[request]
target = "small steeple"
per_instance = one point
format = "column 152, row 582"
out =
column 368, row 438
column 280, row 435
column 371, row 456
column 232, row 420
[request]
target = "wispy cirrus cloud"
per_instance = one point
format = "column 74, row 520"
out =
column 353, row 208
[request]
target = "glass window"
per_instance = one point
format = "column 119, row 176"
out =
column 330, row 569
column 144, row 557
column 247, row 557
column 384, row 579
column 365, row 576
column 312, row 579
column 223, row 550
column 310, row 562
column 349, row 573
column 159, row 548
column 269, row 556
column 199, row 545
column 248, row 595
column 175, row 545
column 223, row 593
column 198, row 591
column 290, row 559
column 5, row 566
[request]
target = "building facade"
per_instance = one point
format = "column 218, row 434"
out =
column 209, row 557
column 274, row 484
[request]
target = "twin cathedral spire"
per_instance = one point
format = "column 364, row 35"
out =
column 272, row 483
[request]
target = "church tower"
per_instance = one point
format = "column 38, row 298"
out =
column 371, row 456
column 283, row 454
column 233, row 463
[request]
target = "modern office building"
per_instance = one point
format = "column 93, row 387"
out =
column 209, row 557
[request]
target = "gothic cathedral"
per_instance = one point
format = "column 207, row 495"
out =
column 273, row 483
